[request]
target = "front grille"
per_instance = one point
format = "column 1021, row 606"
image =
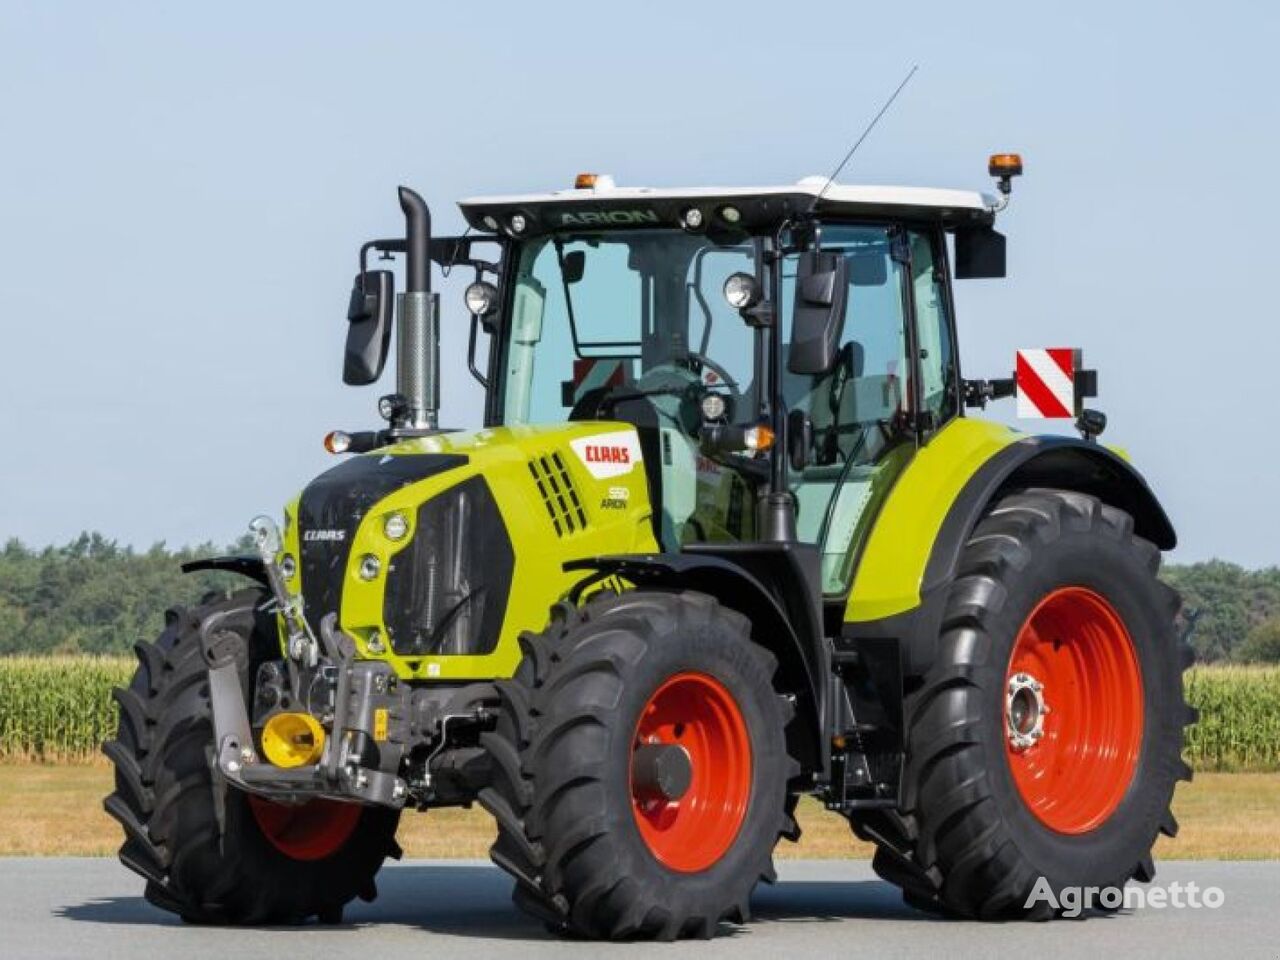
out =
column 330, row 511
column 559, row 495
column 447, row 591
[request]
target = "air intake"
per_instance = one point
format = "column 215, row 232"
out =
column 559, row 495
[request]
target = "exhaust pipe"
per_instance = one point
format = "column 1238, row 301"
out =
column 418, row 339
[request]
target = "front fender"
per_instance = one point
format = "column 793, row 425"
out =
column 787, row 633
column 251, row 567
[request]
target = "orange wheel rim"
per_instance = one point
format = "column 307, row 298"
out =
column 1073, row 710
column 308, row 831
column 695, row 712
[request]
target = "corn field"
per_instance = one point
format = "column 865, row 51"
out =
column 1239, row 727
column 59, row 709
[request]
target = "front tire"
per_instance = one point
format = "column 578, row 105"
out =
column 1045, row 741
column 252, row 861
column 595, row 845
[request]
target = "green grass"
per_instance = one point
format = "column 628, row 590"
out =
column 56, row 810
column 60, row 709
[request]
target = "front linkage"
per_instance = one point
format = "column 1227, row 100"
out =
column 332, row 726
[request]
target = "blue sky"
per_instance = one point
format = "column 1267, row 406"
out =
column 183, row 188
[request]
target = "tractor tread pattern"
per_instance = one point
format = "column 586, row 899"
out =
column 982, row 875
column 164, row 797
column 522, row 790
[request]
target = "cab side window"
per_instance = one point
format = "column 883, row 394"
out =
column 933, row 329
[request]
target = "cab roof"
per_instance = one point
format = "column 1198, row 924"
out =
column 609, row 206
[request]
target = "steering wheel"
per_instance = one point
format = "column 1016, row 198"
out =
column 676, row 380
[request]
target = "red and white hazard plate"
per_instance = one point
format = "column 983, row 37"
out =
column 1046, row 383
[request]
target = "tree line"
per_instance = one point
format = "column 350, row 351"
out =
column 93, row 595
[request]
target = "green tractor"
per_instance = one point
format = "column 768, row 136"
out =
column 728, row 537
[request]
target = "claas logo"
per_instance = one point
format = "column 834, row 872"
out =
column 596, row 453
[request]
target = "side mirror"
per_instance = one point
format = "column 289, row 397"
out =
column 369, row 333
column 574, row 266
column 980, row 254
column 822, row 291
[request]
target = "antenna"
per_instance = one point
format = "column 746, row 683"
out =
column 870, row 126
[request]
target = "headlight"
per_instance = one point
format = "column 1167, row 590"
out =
column 288, row 566
column 518, row 223
column 692, row 218
column 392, row 407
column 370, row 567
column 741, row 291
column 395, row 526
column 713, row 406
column 482, row 298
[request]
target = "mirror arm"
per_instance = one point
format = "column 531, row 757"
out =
column 385, row 247
column 471, row 352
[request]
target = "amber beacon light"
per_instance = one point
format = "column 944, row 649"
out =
column 1005, row 166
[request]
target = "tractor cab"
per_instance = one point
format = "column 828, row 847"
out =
column 792, row 339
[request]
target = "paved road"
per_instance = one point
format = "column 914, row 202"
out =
column 55, row 908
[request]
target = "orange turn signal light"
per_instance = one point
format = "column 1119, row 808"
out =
column 585, row 181
column 337, row 441
column 1005, row 165
column 759, row 438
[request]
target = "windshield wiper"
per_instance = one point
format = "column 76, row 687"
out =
column 568, row 297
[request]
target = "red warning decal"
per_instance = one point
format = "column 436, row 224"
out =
column 1046, row 383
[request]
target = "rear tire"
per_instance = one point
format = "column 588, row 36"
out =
column 266, row 863
column 1057, row 598
column 590, row 854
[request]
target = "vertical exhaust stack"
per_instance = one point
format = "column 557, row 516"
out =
column 418, row 339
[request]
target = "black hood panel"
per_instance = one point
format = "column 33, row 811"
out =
column 331, row 509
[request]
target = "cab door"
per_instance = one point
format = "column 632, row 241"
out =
column 895, row 360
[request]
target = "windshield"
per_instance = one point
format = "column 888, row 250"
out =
column 596, row 317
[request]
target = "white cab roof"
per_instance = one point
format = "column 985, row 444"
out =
column 953, row 207
column 840, row 194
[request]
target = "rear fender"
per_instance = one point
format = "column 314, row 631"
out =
column 1064, row 463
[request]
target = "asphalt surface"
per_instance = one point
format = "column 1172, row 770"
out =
column 54, row 908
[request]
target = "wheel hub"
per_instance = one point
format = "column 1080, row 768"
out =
column 690, row 772
column 1025, row 711
column 660, row 772
column 1072, row 772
